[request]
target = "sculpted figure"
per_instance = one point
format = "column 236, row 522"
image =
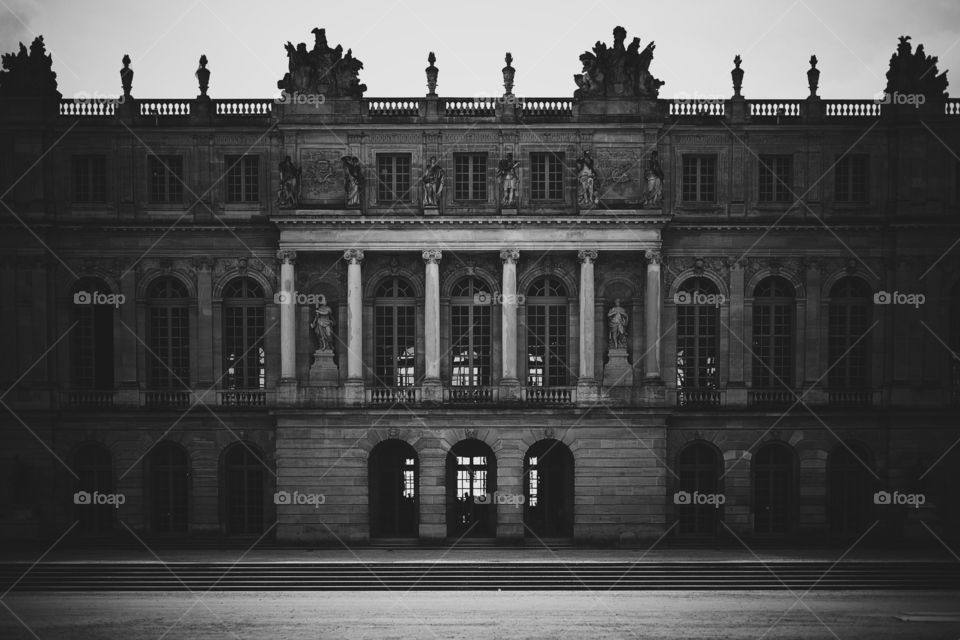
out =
column 288, row 195
column 509, row 179
column 586, row 180
column 352, row 179
column 617, row 321
column 653, row 194
column 432, row 182
column 322, row 325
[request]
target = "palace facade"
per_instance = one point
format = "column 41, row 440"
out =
column 612, row 317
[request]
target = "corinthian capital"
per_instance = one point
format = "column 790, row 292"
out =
column 510, row 256
column 432, row 256
column 587, row 255
column 286, row 255
column 654, row 256
column 353, row 256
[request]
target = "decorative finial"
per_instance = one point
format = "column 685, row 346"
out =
column 432, row 72
column 813, row 78
column 508, row 74
column 203, row 77
column 126, row 76
column 737, row 74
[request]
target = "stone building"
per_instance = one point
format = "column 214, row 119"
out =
column 609, row 317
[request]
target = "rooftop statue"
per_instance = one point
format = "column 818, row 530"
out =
column 28, row 75
column 914, row 72
column 617, row 71
column 322, row 70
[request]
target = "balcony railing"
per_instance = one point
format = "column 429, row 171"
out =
column 242, row 398
column 164, row 108
column 697, row 398
column 88, row 398
column 768, row 397
column 471, row 395
column 389, row 396
column 850, row 397
column 393, row 106
column 243, row 108
column 774, row 109
column 156, row 398
column 546, row 107
column 469, row 107
column 549, row 395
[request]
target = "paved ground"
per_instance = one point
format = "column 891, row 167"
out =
column 450, row 616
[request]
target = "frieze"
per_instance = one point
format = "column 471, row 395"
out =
column 393, row 138
column 227, row 140
column 322, row 173
column 618, row 166
column 548, row 137
column 702, row 140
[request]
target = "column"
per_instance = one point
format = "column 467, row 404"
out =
column 587, row 318
column 508, row 314
column 354, row 316
column 652, row 304
column 432, row 387
column 288, row 318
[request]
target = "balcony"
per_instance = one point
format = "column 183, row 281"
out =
column 700, row 398
column 770, row 397
column 470, row 395
column 88, row 398
column 242, row 398
column 549, row 395
column 166, row 398
column 851, row 398
column 392, row 396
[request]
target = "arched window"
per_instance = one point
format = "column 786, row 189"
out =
column 774, row 310
column 849, row 488
column 547, row 345
column 243, row 489
column 92, row 341
column 847, row 345
column 470, row 311
column 168, row 473
column 243, row 328
column 774, row 489
column 168, row 331
column 698, row 471
column 93, row 465
column 395, row 333
column 698, row 316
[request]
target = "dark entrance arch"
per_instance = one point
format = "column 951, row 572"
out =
column 471, row 482
column 774, row 489
column 243, row 490
column 168, row 475
column 94, row 467
column 850, row 486
column 394, row 484
column 698, row 468
column 549, row 490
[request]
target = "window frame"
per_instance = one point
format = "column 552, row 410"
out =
column 555, row 369
column 384, row 190
column 94, row 181
column 553, row 178
column 475, row 181
column 780, row 188
column 844, row 179
column 699, row 159
column 171, row 183
column 237, row 167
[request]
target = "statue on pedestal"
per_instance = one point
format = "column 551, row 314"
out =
column 322, row 325
column 586, row 181
column 509, row 179
column 617, row 321
column 653, row 194
column 288, row 195
column 432, row 182
column 352, row 179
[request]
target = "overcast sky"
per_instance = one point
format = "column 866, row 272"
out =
column 696, row 42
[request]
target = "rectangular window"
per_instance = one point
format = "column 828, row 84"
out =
column 395, row 336
column 546, row 345
column 699, row 183
column 244, row 354
column 546, row 176
column 243, row 178
column 393, row 178
column 166, row 179
column 470, row 333
column 89, row 178
column 470, row 176
column 850, row 177
column 772, row 345
column 775, row 180
column 169, row 355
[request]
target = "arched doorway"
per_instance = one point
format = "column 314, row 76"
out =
column 243, row 490
column 548, row 489
column 168, row 475
column 774, row 489
column 471, row 483
column 698, row 468
column 394, row 490
column 850, row 488
column 93, row 465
